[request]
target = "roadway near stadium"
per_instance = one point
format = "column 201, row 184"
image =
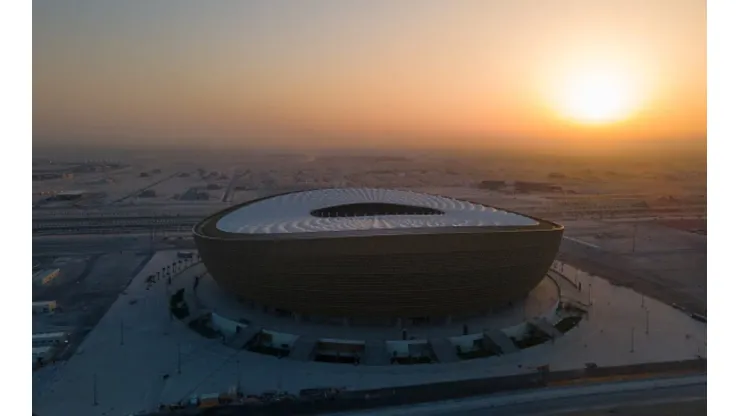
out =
column 376, row 254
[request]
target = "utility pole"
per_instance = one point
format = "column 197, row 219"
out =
column 121, row 332
column 647, row 321
column 238, row 375
column 179, row 360
column 589, row 293
column 632, row 340
column 634, row 237
column 280, row 378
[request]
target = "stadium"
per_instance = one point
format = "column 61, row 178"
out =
column 376, row 255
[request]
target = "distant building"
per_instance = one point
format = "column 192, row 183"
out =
column 41, row 354
column 48, row 339
column 523, row 186
column 492, row 185
column 46, row 176
column 48, row 306
column 68, row 196
column 193, row 194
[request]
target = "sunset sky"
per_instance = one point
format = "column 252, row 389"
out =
column 369, row 73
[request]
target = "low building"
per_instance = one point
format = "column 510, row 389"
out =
column 492, row 185
column 48, row 306
column 49, row 339
column 69, row 195
column 41, row 354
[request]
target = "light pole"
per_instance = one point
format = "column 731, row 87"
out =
column 280, row 377
column 634, row 237
column 238, row 375
column 647, row 321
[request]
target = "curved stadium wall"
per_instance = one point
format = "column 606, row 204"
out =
column 380, row 273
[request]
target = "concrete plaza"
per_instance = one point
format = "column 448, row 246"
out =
column 138, row 356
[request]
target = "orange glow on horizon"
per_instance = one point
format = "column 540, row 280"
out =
column 459, row 73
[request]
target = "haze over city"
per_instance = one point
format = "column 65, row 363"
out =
column 572, row 74
column 368, row 207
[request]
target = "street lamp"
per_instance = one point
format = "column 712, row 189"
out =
column 634, row 237
column 647, row 321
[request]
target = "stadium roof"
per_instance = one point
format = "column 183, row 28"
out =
column 353, row 209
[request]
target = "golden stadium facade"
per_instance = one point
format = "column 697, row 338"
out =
column 377, row 254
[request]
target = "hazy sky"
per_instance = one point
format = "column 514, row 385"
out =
column 368, row 72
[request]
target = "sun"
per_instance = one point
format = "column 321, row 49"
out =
column 597, row 97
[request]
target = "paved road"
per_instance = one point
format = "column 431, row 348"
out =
column 101, row 244
column 643, row 396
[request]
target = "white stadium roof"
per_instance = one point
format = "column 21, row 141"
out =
column 291, row 213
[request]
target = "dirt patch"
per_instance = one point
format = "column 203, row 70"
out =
column 641, row 281
column 696, row 226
